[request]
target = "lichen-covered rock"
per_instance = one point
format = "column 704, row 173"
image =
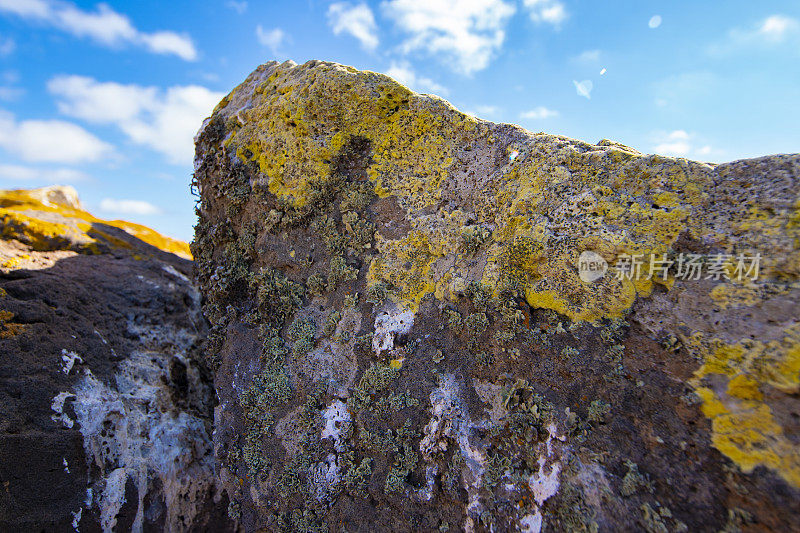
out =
column 52, row 218
column 105, row 406
column 422, row 321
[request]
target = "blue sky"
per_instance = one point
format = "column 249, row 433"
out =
column 106, row 97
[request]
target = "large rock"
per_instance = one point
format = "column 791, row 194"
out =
column 105, row 408
column 414, row 330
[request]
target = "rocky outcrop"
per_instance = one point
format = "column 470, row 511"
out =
column 105, row 410
column 422, row 321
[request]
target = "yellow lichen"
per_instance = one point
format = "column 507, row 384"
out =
column 49, row 226
column 747, row 433
column 15, row 262
column 9, row 329
column 743, row 426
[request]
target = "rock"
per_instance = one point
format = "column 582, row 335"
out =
column 105, row 407
column 460, row 287
column 52, row 218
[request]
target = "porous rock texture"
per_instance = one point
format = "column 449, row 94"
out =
column 105, row 406
column 402, row 340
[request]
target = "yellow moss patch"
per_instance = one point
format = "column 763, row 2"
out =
column 15, row 262
column 744, row 387
column 53, row 226
column 9, row 329
column 294, row 129
column 405, row 265
column 748, row 435
column 728, row 294
column 776, row 363
column 744, row 428
column 153, row 238
column 39, row 234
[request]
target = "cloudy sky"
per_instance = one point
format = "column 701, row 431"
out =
column 107, row 96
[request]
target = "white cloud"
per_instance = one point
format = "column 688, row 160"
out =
column 356, row 20
column 167, row 42
column 85, row 98
column 128, row 207
column 272, row 39
column 239, row 7
column 704, row 150
column 7, row 46
column 41, row 175
column 9, row 94
column 654, row 22
column 587, row 56
column 674, row 143
column 163, row 120
column 680, row 143
column 584, row 88
column 777, row 27
column 52, row 141
column 538, row 113
column 547, row 11
column 8, row 89
column 483, row 111
column 26, row 8
column 772, row 31
column 104, row 26
column 403, row 73
column 467, row 34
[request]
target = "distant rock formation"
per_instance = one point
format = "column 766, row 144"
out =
column 422, row 321
column 52, row 218
column 105, row 410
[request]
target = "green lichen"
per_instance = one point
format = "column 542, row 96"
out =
column 473, row 237
column 481, row 295
column 570, row 352
column 660, row 521
column 350, row 301
column 377, row 293
column 454, row 321
column 302, row 333
column 277, row 296
column 358, row 231
column 325, row 227
column 634, row 481
column 375, row 379
column 331, row 323
column 340, row 272
column 598, row 411
column 571, row 512
column 317, row 285
column 404, row 451
column 357, row 477
column 270, row 389
column 235, row 510
column 357, row 197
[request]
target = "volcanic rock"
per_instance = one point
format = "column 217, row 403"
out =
column 105, row 406
column 423, row 321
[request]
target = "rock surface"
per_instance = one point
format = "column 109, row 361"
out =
column 404, row 340
column 105, row 410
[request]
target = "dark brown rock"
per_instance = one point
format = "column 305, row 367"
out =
column 408, row 335
column 105, row 407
